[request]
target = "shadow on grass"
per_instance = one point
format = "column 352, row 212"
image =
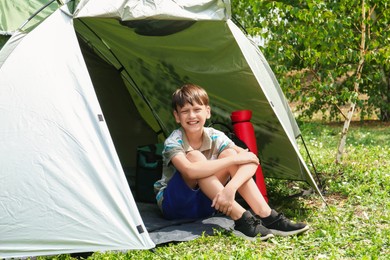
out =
column 289, row 197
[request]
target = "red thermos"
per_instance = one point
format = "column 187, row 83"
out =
column 244, row 130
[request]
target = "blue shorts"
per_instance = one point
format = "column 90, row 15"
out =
column 182, row 202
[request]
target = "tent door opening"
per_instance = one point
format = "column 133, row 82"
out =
column 127, row 128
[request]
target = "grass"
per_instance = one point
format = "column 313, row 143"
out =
column 354, row 225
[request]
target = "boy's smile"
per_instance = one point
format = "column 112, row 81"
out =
column 192, row 117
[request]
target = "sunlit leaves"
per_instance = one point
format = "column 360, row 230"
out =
column 313, row 45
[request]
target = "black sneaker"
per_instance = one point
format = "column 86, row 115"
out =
column 251, row 228
column 279, row 225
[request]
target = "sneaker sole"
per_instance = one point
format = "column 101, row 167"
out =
column 262, row 238
column 289, row 233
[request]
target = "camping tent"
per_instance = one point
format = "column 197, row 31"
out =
column 81, row 91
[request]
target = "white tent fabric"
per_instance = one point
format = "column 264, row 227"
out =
column 167, row 9
column 62, row 186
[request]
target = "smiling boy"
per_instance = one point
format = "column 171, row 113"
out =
column 203, row 170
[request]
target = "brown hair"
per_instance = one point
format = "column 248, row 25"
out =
column 189, row 93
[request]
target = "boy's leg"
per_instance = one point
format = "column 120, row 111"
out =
column 182, row 202
column 210, row 186
column 276, row 222
column 249, row 190
column 245, row 223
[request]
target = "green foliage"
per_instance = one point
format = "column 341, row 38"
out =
column 314, row 46
column 354, row 225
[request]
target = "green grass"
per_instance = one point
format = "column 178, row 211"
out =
column 354, row 225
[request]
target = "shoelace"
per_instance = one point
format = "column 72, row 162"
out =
column 254, row 221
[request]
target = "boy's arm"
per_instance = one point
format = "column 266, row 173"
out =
column 202, row 169
column 239, row 149
column 244, row 174
column 223, row 201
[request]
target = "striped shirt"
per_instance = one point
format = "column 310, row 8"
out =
column 214, row 142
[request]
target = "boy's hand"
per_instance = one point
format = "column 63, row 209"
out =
column 246, row 157
column 223, row 201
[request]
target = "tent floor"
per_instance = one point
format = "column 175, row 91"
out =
column 164, row 231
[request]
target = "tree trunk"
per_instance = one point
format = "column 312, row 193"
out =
column 358, row 74
column 385, row 109
column 343, row 139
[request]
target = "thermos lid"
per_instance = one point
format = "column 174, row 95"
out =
column 241, row 116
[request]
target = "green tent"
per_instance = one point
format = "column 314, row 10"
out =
column 83, row 89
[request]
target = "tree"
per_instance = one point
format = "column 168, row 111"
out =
column 329, row 56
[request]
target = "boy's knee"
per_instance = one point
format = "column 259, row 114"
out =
column 195, row 156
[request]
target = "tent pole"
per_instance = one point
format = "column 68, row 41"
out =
column 34, row 14
column 318, row 179
column 239, row 24
column 312, row 163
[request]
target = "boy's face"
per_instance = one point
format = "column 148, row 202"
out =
column 192, row 117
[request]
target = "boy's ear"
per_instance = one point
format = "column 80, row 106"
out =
column 176, row 115
column 208, row 112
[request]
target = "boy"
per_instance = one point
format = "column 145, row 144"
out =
column 203, row 170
